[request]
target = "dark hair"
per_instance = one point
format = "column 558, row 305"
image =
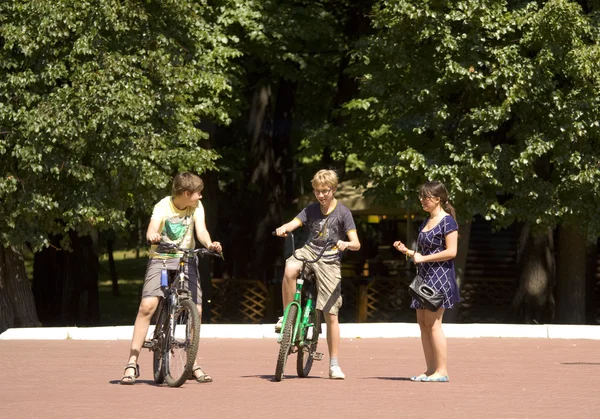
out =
column 436, row 189
column 187, row 182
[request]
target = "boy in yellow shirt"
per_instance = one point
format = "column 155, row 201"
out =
column 175, row 219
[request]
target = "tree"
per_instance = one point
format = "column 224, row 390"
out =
column 294, row 55
column 497, row 99
column 100, row 104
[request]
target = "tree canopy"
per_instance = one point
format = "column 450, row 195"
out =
column 498, row 99
column 101, row 103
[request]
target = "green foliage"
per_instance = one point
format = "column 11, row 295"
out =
column 100, row 104
column 500, row 100
column 296, row 42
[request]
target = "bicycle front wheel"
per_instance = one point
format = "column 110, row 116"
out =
column 307, row 353
column 182, row 343
column 286, row 341
column 160, row 338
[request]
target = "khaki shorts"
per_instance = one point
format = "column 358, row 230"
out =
column 329, row 279
column 152, row 278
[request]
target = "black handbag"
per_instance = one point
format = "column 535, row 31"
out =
column 423, row 293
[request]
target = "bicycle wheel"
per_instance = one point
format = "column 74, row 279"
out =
column 182, row 343
column 306, row 354
column 286, row 341
column 162, row 326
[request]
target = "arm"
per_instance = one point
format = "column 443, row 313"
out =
column 353, row 243
column 288, row 227
column 448, row 253
column 152, row 234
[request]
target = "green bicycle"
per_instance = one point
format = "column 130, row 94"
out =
column 301, row 324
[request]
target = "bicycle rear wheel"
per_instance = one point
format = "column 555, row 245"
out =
column 182, row 343
column 286, row 341
column 306, row 354
column 160, row 331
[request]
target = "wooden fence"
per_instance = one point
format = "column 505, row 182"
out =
column 384, row 299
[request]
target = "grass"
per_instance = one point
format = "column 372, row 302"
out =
column 121, row 310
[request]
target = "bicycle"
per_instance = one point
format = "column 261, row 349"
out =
column 177, row 331
column 301, row 324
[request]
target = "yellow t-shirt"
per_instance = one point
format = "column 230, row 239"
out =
column 176, row 226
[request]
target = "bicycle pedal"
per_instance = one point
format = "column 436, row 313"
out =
column 317, row 356
column 149, row 344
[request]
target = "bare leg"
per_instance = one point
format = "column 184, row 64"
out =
column 333, row 334
column 426, row 342
column 199, row 374
column 438, row 342
column 140, row 330
column 288, row 287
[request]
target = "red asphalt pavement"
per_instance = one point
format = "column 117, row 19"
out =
column 489, row 378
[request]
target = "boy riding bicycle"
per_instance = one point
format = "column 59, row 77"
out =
column 175, row 219
column 327, row 220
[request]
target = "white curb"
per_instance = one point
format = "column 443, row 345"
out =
column 347, row 330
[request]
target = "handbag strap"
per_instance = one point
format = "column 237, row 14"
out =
column 417, row 251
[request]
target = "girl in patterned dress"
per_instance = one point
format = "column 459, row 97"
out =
column 437, row 246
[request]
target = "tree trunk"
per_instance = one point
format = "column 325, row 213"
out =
column 205, row 264
column 592, row 266
column 270, row 147
column 65, row 284
column 460, row 262
column 534, row 300
column 17, row 307
column 570, row 277
column 114, row 278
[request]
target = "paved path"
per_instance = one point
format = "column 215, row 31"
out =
column 490, row 378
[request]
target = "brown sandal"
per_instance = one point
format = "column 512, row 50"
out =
column 202, row 378
column 130, row 379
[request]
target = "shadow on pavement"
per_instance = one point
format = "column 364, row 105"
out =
column 580, row 363
column 138, row 381
column 272, row 378
column 387, row 378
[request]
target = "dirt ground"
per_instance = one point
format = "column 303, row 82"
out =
column 489, row 378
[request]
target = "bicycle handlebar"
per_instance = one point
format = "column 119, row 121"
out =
column 328, row 243
column 189, row 252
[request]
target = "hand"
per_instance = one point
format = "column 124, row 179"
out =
column 342, row 245
column 215, row 246
column 281, row 231
column 153, row 237
column 401, row 247
column 418, row 258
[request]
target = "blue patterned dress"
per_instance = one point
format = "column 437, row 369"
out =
column 439, row 275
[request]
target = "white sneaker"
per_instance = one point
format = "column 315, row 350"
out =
column 335, row 373
column 279, row 325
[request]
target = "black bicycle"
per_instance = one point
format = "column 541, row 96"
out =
column 177, row 331
column 301, row 324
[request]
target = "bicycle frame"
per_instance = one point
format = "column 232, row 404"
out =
column 302, row 317
column 177, row 301
column 177, row 292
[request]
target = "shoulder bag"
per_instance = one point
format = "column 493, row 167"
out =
column 423, row 293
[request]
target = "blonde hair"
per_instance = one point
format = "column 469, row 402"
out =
column 325, row 177
column 186, row 182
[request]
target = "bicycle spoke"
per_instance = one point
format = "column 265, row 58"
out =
column 183, row 343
